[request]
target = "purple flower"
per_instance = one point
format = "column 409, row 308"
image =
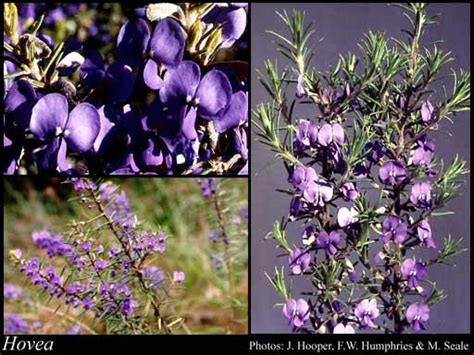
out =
column 331, row 133
column 303, row 177
column 211, row 95
column 306, row 133
column 178, row 276
column 367, row 311
column 314, row 191
column 375, row 151
column 14, row 324
column 167, row 43
column 413, row 272
column 416, row 315
column 208, row 187
column 392, row 173
column 61, row 129
column 422, row 154
column 19, row 103
column 421, row 195
column 74, row 330
column 232, row 19
column 54, row 244
column 217, row 258
column 298, row 261
column 318, row 193
column 346, row 217
column 153, row 275
column 360, row 171
column 424, row 234
column 128, row 305
column 300, row 86
column 349, row 191
column 328, row 242
column 393, row 229
column 297, row 312
column 308, row 236
column 100, row 265
column 11, row 292
column 427, row 112
column 295, row 208
column 154, row 242
column 132, row 41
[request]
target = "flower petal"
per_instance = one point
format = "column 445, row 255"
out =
column 119, row 82
column 150, row 75
column 214, row 94
column 132, row 41
column 20, row 101
column 236, row 112
column 167, row 43
column 83, row 127
column 49, row 114
column 180, row 84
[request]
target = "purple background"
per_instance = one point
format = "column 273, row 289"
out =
column 343, row 26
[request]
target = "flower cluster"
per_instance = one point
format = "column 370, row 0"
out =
column 169, row 97
column 372, row 191
column 106, row 276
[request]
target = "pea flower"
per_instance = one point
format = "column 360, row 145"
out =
column 231, row 18
column 328, row 242
column 128, row 305
column 416, row 315
column 11, row 292
column 296, row 311
column 318, row 193
column 375, row 151
column 423, row 152
column 300, row 86
column 303, row 177
column 331, row 133
column 132, row 41
column 421, row 195
column 392, row 173
column 183, row 85
column 61, row 129
column 349, row 191
column 14, row 324
column 424, row 234
column 427, row 112
column 178, row 276
column 167, row 43
column 413, row 272
column 347, row 217
column 298, row 261
column 340, row 328
column 393, row 229
column 306, row 133
column 366, row 311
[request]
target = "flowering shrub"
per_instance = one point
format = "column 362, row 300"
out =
column 102, row 267
column 228, row 238
column 162, row 91
column 365, row 195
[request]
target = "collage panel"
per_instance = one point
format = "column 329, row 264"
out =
column 360, row 176
column 252, row 174
column 125, row 256
column 123, row 89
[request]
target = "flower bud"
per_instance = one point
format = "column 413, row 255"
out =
column 10, row 21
